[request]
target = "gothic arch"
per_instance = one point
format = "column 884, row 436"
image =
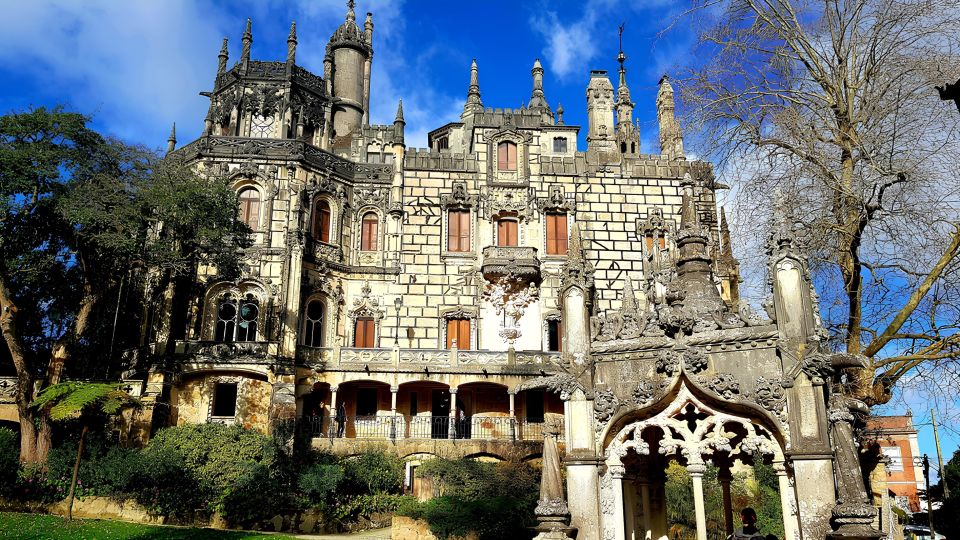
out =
column 236, row 291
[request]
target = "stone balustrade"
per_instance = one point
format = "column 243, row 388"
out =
column 328, row 357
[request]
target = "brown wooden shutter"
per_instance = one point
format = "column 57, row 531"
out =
column 321, row 222
column 464, row 230
column 458, row 230
column 463, row 336
column 368, row 233
column 507, row 233
column 363, row 333
column 561, row 233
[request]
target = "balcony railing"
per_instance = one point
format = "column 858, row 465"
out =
column 324, row 357
column 500, row 428
column 519, row 261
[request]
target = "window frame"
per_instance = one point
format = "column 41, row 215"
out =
column 322, row 209
column 562, row 141
column 369, row 333
column 504, row 149
column 459, row 324
column 551, row 237
column 216, row 399
column 310, row 326
column 246, row 204
column 506, row 220
column 232, row 326
column 557, row 324
column 464, row 221
column 369, row 239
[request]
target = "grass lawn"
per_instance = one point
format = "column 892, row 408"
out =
column 40, row 526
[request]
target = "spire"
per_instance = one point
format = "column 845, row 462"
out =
column 245, row 48
column 172, row 139
column 368, row 29
column 694, row 263
column 473, row 104
column 727, row 249
column 575, row 248
column 629, row 302
column 222, row 57
column 292, row 44
column 671, row 140
column 351, row 16
column 399, row 118
column 537, row 100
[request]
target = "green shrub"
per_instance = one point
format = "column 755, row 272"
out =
column 9, row 460
column 168, row 487
column 319, row 481
column 106, row 470
column 256, row 496
column 366, row 506
column 373, row 472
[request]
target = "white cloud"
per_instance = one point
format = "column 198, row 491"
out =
column 570, row 46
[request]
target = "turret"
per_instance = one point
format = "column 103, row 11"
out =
column 292, row 45
column 348, row 59
column 628, row 135
column 728, row 268
column 473, row 104
column 399, row 123
column 694, row 263
column 600, row 134
column 671, row 140
column 222, row 57
column 537, row 100
column 245, row 47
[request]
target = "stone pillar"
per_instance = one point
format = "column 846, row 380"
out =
column 790, row 526
column 332, row 430
column 393, row 411
column 452, row 428
column 645, row 502
column 583, row 467
column 619, row 521
column 513, row 416
column 725, row 477
column 696, row 471
column 659, row 511
column 283, row 402
column 630, row 510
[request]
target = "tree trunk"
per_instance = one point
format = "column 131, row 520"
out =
column 8, row 326
column 76, row 472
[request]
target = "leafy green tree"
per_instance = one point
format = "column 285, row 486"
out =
column 80, row 215
column 946, row 520
column 82, row 399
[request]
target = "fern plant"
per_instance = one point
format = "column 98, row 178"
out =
column 78, row 399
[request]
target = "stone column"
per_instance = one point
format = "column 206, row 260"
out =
column 630, row 510
column 658, row 512
column 452, row 428
column 513, row 416
column 393, row 411
column 790, row 526
column 583, row 467
column 619, row 521
column 645, row 502
column 696, row 471
column 725, row 477
column 332, row 429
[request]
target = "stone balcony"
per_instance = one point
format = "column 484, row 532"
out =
column 519, row 261
column 419, row 359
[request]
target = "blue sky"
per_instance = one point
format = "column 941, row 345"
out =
column 137, row 66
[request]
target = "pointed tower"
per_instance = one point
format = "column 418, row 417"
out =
column 473, row 104
column 537, row 100
column 671, row 140
column 348, row 57
column 399, row 123
column 245, row 47
column 172, row 139
column 292, row 45
column 222, row 57
column 694, row 263
column 628, row 136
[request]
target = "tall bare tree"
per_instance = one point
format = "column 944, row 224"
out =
column 826, row 111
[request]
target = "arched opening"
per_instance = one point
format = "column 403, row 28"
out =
column 317, row 416
column 533, row 408
column 250, row 207
column 363, row 410
column 482, row 411
column 237, row 318
column 368, row 232
column 425, row 407
column 321, row 221
column 313, row 326
column 623, row 148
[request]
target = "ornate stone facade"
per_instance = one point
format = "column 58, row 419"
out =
column 496, row 286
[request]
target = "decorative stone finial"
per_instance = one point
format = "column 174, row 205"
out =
column 399, row 118
column 292, row 44
column 246, row 42
column 368, row 29
column 671, row 140
column 537, row 99
column 473, row 104
column 222, row 57
column 172, row 139
column 351, row 16
column 560, row 114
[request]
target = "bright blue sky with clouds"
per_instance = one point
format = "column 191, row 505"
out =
column 137, row 66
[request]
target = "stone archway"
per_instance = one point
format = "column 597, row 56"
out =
column 696, row 434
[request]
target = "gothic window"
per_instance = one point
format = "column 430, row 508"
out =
column 237, row 319
column 250, row 207
column 661, row 240
column 224, row 400
column 313, row 324
column 321, row 221
column 560, row 145
column 554, row 335
column 443, row 143
column 633, row 148
column 507, row 232
column 458, row 230
column 363, row 333
column 556, row 233
column 368, row 232
column 458, row 330
column 623, row 148
column 507, row 156
column 261, row 127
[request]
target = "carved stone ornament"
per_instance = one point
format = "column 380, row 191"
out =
column 769, row 394
column 552, row 507
column 459, row 197
column 233, row 352
column 509, row 201
column 668, row 361
column 645, row 391
column 564, row 384
column 605, row 405
column 557, row 201
column 725, row 385
column 372, row 196
column 818, row 367
column 263, row 100
column 325, row 184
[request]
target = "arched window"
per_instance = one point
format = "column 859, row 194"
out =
column 321, row 221
column 368, row 232
column 507, row 233
column 313, row 325
column 507, row 156
column 554, row 335
column 250, row 207
column 237, row 319
column 623, row 148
